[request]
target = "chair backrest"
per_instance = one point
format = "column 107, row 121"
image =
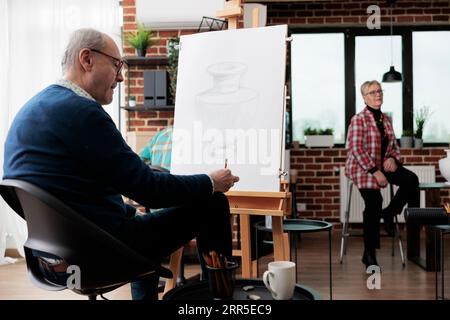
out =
column 55, row 228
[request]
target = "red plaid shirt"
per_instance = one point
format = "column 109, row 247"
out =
column 364, row 148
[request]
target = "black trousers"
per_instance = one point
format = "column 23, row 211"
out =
column 408, row 193
column 156, row 235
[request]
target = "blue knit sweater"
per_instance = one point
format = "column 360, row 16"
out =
column 69, row 146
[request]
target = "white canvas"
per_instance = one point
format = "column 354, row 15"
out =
column 230, row 105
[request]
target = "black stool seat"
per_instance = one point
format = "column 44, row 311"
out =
column 298, row 225
column 346, row 232
column 426, row 216
column 306, row 226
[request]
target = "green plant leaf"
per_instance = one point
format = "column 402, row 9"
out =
column 141, row 39
column 314, row 132
column 309, row 131
column 421, row 118
column 173, row 52
column 407, row 133
column 326, row 131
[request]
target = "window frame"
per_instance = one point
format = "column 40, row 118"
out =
column 350, row 33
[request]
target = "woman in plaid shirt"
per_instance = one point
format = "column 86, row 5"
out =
column 373, row 161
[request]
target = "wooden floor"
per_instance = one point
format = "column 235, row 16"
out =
column 349, row 278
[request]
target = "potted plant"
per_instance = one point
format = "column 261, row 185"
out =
column 318, row 137
column 406, row 141
column 420, row 119
column 140, row 40
column 132, row 101
column 172, row 54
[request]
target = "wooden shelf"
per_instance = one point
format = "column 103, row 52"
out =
column 145, row 61
column 139, row 108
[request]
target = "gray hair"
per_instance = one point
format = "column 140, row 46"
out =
column 81, row 38
column 365, row 86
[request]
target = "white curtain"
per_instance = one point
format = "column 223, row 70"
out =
column 33, row 35
column 9, row 223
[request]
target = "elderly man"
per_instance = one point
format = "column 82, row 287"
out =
column 63, row 141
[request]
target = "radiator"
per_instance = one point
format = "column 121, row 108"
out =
column 425, row 174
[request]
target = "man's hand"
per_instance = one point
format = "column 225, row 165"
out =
column 381, row 178
column 223, row 180
column 390, row 165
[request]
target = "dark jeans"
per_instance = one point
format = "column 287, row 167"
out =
column 408, row 193
column 156, row 235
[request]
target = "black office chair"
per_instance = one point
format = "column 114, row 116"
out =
column 58, row 231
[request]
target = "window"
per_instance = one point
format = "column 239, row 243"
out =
column 431, row 79
column 328, row 66
column 318, row 83
column 372, row 59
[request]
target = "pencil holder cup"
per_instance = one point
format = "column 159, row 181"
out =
column 221, row 280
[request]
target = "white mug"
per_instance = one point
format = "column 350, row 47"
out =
column 280, row 279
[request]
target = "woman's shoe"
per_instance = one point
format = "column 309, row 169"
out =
column 369, row 258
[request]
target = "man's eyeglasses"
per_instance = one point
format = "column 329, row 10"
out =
column 373, row 93
column 117, row 62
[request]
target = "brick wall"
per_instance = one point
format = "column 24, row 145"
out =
column 318, row 179
column 319, row 12
column 318, row 183
column 354, row 12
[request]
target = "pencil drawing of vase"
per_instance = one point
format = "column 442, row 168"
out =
column 226, row 106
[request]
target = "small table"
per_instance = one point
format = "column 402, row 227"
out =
column 294, row 227
column 432, row 193
column 432, row 200
column 415, row 219
column 440, row 232
column 200, row 291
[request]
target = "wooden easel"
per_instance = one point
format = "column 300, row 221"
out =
column 275, row 204
column 231, row 12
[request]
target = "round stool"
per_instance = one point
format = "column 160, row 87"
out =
column 294, row 227
column 346, row 221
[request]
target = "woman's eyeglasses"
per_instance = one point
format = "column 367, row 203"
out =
column 373, row 93
column 117, row 62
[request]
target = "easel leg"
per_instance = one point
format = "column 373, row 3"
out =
column 245, row 245
column 287, row 249
column 278, row 239
column 255, row 269
column 174, row 266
